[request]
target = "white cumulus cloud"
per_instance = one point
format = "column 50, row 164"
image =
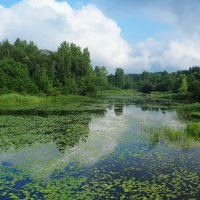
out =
column 155, row 55
column 49, row 22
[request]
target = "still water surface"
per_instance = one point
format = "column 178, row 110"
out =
column 123, row 153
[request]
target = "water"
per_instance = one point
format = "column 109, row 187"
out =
column 120, row 154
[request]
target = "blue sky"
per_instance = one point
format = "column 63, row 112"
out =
column 8, row 3
column 152, row 35
column 134, row 27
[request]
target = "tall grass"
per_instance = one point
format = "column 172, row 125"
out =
column 180, row 137
column 189, row 110
column 195, row 107
column 19, row 98
column 193, row 129
column 172, row 134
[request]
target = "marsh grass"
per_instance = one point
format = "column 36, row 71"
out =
column 193, row 129
column 13, row 98
column 162, row 133
column 195, row 114
column 172, row 134
column 18, row 102
column 188, row 111
column 183, row 138
column 155, row 138
column 23, row 99
column 188, row 108
column 162, row 95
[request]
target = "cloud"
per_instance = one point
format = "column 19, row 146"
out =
column 154, row 55
column 185, row 53
column 183, row 14
column 49, row 22
column 176, row 48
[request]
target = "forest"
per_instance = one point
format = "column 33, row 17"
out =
column 185, row 83
column 26, row 69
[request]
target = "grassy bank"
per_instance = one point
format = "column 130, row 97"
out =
column 129, row 93
column 17, row 104
column 163, row 95
column 14, row 98
column 14, row 101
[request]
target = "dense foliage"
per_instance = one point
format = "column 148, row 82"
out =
column 25, row 68
column 185, row 82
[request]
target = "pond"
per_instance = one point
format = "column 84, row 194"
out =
column 122, row 152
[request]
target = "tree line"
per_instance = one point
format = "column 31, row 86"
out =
column 184, row 82
column 25, row 68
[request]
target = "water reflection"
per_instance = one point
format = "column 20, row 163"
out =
column 86, row 139
column 118, row 108
column 100, row 139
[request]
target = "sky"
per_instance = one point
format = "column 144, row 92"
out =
column 137, row 35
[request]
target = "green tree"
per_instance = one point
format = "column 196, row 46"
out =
column 128, row 83
column 42, row 80
column 147, row 88
column 194, row 89
column 63, row 66
column 119, row 78
column 184, row 84
column 101, row 77
column 14, row 77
